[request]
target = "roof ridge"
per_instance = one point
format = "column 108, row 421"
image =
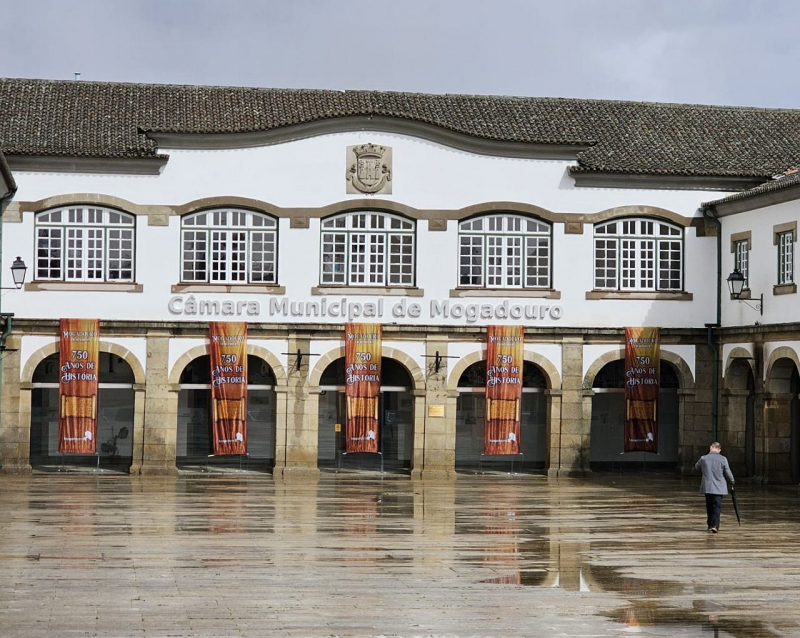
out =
column 521, row 98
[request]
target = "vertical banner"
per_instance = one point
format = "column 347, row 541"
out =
column 504, row 361
column 228, row 387
column 362, row 361
column 79, row 364
column 642, row 382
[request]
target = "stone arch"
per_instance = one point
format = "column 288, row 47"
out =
column 684, row 372
column 255, row 350
column 781, row 352
column 90, row 199
column 640, row 211
column 414, row 371
column 105, row 346
column 543, row 363
column 738, row 354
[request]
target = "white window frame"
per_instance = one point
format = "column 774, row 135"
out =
column 82, row 243
column 785, row 242
column 228, row 238
column 633, row 254
column 521, row 241
column 368, row 248
column 741, row 260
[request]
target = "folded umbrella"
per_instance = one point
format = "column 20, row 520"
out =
column 735, row 505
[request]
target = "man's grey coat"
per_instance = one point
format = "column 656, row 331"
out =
column 715, row 470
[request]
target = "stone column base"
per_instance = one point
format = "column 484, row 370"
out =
column 433, row 475
column 158, row 470
column 569, row 473
column 15, row 468
column 296, row 474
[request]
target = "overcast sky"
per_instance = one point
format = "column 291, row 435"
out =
column 703, row 51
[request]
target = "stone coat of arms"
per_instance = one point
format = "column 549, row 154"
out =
column 369, row 169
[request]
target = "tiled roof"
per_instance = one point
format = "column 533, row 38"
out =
column 771, row 186
column 106, row 120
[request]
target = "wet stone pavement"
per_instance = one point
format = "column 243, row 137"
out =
column 365, row 555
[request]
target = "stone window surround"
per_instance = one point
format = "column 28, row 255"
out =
column 747, row 236
column 777, row 231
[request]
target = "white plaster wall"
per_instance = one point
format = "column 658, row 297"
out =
column 550, row 351
column 310, row 173
column 728, row 348
column 763, row 267
column 771, row 346
column 31, row 344
column 179, row 346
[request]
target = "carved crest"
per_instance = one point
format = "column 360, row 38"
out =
column 369, row 169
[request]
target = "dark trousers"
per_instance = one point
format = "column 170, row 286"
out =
column 713, row 509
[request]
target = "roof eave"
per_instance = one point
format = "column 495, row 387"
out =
column 661, row 181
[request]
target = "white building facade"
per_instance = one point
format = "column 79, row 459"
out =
column 297, row 228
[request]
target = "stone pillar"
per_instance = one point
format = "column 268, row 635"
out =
column 437, row 436
column 138, row 428
column 778, row 439
column 15, row 412
column 733, row 427
column 576, row 414
column 553, row 431
column 160, row 409
column 697, row 432
column 298, row 459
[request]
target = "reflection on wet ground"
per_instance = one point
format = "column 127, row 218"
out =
column 359, row 555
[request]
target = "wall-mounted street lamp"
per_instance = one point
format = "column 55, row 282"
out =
column 18, row 271
column 736, row 285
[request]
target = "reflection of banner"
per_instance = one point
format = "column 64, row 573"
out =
column 228, row 387
column 642, row 380
column 362, row 361
column 504, row 360
column 79, row 361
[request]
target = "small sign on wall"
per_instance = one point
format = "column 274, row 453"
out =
column 436, row 410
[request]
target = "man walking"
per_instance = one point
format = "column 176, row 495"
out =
column 715, row 470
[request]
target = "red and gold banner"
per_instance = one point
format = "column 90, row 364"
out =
column 228, row 387
column 504, row 361
column 642, row 382
column 79, row 362
column 362, row 374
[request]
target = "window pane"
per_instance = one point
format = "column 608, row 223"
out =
column 333, row 258
column 401, row 260
column 262, row 257
column 48, row 253
column 669, row 265
column 194, row 255
column 74, row 254
column 605, row 263
column 537, row 262
column 470, row 267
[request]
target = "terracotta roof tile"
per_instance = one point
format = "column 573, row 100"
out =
column 99, row 119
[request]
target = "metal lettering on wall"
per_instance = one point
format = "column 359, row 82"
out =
column 343, row 309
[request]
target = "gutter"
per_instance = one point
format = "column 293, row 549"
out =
column 707, row 214
column 4, row 200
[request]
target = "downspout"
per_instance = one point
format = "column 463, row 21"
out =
column 7, row 331
column 707, row 214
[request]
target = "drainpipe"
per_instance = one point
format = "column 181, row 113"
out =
column 707, row 214
column 4, row 200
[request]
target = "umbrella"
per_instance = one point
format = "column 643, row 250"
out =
column 735, row 505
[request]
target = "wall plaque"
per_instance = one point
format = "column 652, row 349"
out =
column 369, row 169
column 436, row 410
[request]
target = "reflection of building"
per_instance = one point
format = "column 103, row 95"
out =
column 170, row 207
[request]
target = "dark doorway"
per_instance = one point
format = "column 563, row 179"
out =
column 396, row 430
column 471, row 423
column 193, row 446
column 115, row 408
column 608, row 418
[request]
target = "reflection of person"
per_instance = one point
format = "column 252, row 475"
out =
column 715, row 470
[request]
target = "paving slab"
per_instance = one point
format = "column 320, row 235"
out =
column 239, row 554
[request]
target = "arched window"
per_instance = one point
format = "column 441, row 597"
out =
column 229, row 247
column 85, row 243
column 504, row 251
column 367, row 248
column 638, row 254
